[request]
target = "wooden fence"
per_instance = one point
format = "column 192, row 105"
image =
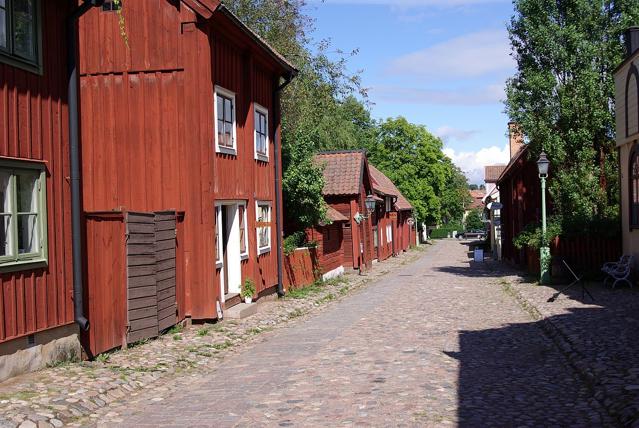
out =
column 301, row 268
column 585, row 254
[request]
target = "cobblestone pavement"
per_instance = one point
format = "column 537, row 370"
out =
column 598, row 337
column 76, row 394
column 437, row 343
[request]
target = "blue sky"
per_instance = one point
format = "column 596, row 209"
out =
column 439, row 63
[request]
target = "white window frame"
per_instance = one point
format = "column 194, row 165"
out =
column 245, row 254
column 228, row 94
column 389, row 233
column 219, row 263
column 389, row 204
column 260, row 109
column 265, row 249
column 23, row 261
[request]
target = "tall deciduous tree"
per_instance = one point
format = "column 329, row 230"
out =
column 562, row 96
column 413, row 159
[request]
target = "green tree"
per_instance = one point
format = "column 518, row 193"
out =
column 413, row 159
column 473, row 220
column 562, row 97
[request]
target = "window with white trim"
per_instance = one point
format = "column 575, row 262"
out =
column 261, row 133
column 241, row 210
column 218, row 236
column 263, row 227
column 225, row 129
column 389, row 204
column 20, row 33
column 389, row 233
column 23, row 217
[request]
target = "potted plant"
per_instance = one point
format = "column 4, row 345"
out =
column 248, row 290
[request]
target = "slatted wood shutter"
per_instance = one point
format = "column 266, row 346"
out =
column 165, row 233
column 151, row 274
column 142, row 298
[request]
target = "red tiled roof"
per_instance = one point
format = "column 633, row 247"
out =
column 334, row 215
column 343, row 172
column 478, row 196
column 384, row 185
column 381, row 183
column 492, row 173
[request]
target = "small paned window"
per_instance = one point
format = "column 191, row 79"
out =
column 241, row 209
column 225, row 134
column 634, row 188
column 261, row 133
column 19, row 33
column 112, row 5
column 263, row 226
column 23, row 214
column 389, row 204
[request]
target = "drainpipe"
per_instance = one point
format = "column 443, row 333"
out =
column 74, row 142
column 278, row 185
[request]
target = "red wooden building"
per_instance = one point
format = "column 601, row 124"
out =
column 180, row 134
column 391, row 231
column 347, row 184
column 35, row 244
column 330, row 244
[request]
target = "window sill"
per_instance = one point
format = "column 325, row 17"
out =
column 261, row 158
column 18, row 63
column 21, row 265
column 226, row 151
column 219, row 265
column 244, row 257
column 264, row 250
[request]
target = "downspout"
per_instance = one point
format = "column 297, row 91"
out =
column 74, row 142
column 278, row 185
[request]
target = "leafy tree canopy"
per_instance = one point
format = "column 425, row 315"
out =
column 562, row 96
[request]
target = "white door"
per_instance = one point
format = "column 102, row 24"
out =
column 228, row 224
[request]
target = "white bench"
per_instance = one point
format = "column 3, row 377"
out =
column 619, row 271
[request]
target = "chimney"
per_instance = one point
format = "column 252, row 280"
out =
column 515, row 138
column 631, row 36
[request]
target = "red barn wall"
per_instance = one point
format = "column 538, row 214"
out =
column 330, row 251
column 34, row 126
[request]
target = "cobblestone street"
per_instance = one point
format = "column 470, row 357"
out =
column 437, row 343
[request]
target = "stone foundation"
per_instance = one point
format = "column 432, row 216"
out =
column 51, row 346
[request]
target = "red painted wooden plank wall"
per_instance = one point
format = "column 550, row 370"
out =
column 34, row 125
column 147, row 134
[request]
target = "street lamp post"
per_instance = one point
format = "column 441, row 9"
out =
column 544, row 250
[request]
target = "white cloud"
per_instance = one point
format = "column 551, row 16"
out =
column 447, row 133
column 480, row 95
column 470, row 55
column 473, row 163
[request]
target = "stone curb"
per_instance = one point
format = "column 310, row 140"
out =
column 625, row 415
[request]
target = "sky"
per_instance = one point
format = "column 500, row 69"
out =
column 439, row 63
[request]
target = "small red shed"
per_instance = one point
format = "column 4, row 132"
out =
column 347, row 184
column 330, row 243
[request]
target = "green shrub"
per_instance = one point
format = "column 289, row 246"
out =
column 293, row 241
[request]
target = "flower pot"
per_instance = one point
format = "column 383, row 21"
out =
column 248, row 300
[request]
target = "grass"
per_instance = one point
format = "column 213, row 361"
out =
column 204, row 331
column 103, row 358
column 224, row 345
column 177, row 328
column 296, row 313
column 20, row 395
column 177, row 336
column 304, row 292
column 329, row 297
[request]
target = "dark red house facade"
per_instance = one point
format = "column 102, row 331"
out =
column 36, row 289
column 390, row 221
column 347, row 184
column 185, row 120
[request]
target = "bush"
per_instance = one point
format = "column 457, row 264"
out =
column 531, row 236
column 293, row 241
column 443, row 232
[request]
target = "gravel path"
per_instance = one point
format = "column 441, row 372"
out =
column 437, row 343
